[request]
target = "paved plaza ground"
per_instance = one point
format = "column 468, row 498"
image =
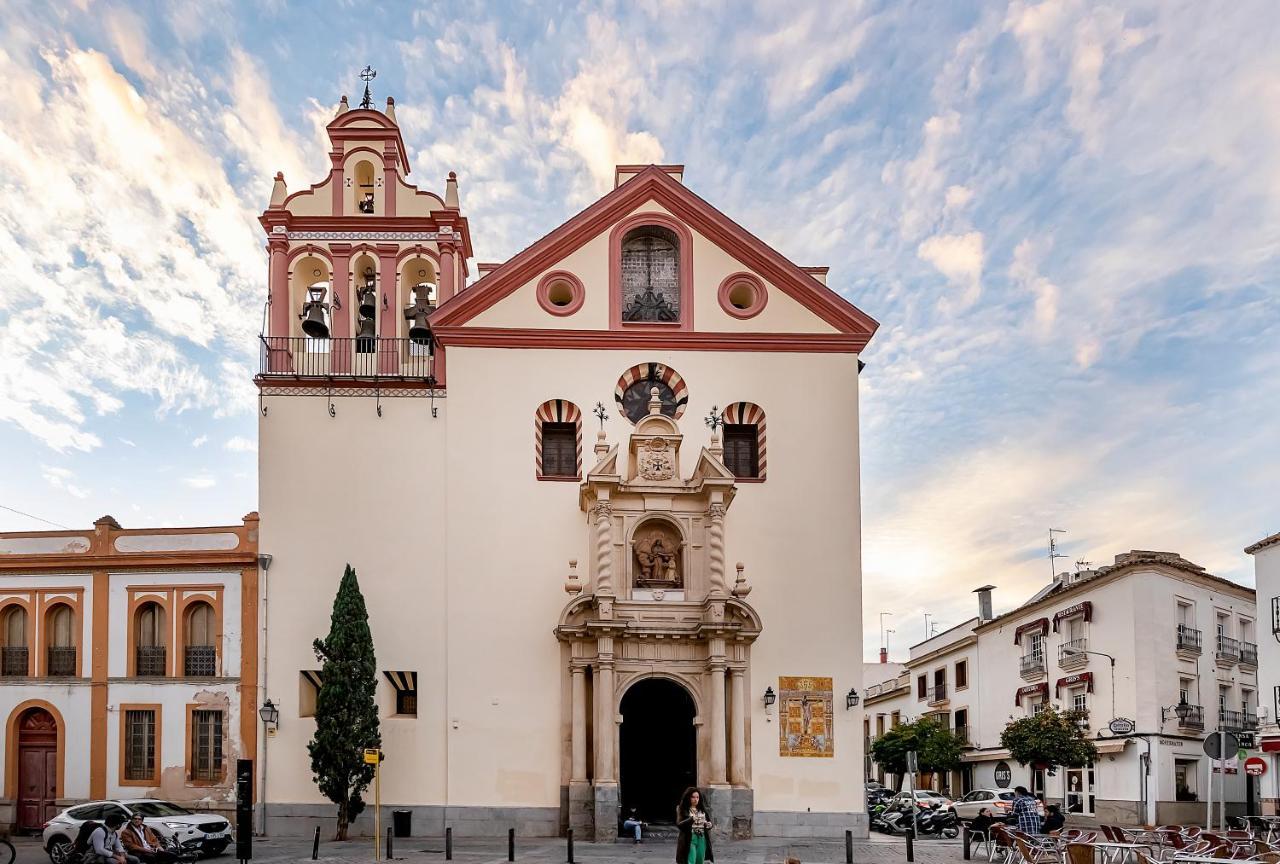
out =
column 430, row 850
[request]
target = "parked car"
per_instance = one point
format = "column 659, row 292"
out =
column 204, row 832
column 925, row 799
column 998, row 801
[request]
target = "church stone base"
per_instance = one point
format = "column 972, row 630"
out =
column 786, row 823
column 293, row 820
column 582, row 809
column 606, row 812
column 742, row 813
column 720, row 803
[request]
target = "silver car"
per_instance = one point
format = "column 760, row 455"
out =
column 206, row 833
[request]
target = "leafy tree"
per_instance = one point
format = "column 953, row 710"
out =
column 1049, row 738
column 346, row 710
column 937, row 747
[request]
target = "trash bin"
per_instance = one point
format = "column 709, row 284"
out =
column 401, row 822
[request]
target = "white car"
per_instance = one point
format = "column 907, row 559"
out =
column 205, row 832
column 998, row 801
column 926, row 799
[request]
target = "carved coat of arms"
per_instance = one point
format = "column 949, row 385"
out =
column 655, row 460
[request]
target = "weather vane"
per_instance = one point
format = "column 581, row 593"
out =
column 714, row 419
column 601, row 414
column 367, row 74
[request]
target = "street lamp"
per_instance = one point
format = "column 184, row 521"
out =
column 1182, row 710
column 851, row 699
column 269, row 713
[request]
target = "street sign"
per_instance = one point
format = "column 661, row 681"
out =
column 1004, row 776
column 1212, row 743
column 1121, row 726
column 1255, row 766
column 372, row 757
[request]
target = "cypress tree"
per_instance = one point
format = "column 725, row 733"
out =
column 346, row 706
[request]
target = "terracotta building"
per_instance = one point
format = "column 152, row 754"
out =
column 602, row 498
column 128, row 665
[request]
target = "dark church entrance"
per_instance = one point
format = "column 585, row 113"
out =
column 658, row 748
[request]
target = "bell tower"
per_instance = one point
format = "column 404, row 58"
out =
column 359, row 260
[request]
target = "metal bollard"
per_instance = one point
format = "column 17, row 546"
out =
column 911, row 845
column 848, row 847
column 570, row 846
column 315, row 846
column 390, row 854
column 511, row 844
column 448, row 843
column 964, row 839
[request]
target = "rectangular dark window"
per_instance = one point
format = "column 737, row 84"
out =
column 559, row 450
column 962, row 674
column 206, row 745
column 139, row 744
column 922, row 686
column 742, row 449
column 407, row 702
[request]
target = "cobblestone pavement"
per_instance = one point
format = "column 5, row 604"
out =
column 430, row 850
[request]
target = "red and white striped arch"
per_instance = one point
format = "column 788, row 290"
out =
column 653, row 371
column 558, row 411
column 750, row 412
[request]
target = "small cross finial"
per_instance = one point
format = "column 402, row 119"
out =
column 367, row 74
column 601, row 414
column 714, row 420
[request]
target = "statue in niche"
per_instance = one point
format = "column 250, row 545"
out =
column 657, row 557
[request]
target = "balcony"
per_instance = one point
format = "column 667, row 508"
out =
column 200, row 661
column 1072, row 655
column 1194, row 718
column 1238, row 721
column 938, row 694
column 962, row 732
column 1189, row 640
column 1032, row 665
column 62, row 661
column 1228, row 653
column 13, row 661
column 1249, row 654
column 150, row 661
column 302, row 357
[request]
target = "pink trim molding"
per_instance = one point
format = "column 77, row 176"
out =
column 579, row 294
column 727, row 286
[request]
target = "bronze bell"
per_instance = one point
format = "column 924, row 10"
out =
column 365, row 341
column 419, row 332
column 368, row 302
column 313, row 323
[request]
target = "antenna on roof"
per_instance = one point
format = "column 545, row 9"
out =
column 1082, row 565
column 1054, row 553
column 367, row 74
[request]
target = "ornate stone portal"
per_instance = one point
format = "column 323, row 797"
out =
column 657, row 604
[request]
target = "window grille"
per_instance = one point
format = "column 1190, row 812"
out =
column 206, row 745
column 741, row 449
column 559, row 450
column 140, row 745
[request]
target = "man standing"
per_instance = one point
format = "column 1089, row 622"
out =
column 143, row 843
column 1026, row 810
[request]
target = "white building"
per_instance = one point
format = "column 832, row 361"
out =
column 128, row 665
column 440, row 437
column 1266, row 563
column 1177, row 635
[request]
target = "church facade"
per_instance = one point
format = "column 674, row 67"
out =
column 602, row 499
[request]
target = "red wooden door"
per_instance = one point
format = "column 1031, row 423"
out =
column 37, row 769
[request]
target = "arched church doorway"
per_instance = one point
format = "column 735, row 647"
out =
column 657, row 748
column 37, row 768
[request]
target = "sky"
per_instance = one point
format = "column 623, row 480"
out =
column 1065, row 215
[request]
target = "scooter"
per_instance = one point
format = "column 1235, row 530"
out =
column 940, row 821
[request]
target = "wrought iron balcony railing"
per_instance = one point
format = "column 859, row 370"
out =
column 962, row 732
column 150, row 661
column 1194, row 718
column 937, row 694
column 1032, row 664
column 200, row 661
column 1228, row 649
column 1249, row 653
column 287, row 357
column 1189, row 638
column 62, row 661
column 1238, row 721
column 1073, row 653
column 13, row 661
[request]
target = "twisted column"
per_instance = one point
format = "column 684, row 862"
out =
column 715, row 550
column 603, row 512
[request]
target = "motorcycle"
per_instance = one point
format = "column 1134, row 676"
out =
column 941, row 821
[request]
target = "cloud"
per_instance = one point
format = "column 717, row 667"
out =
column 204, row 480
column 1023, row 272
column 240, row 444
column 199, row 441
column 959, row 257
column 61, row 478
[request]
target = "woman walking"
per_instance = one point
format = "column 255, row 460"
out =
column 694, row 824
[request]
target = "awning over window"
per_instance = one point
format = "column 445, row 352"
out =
column 1041, row 689
column 1040, row 625
column 1085, row 678
column 314, row 676
column 404, row 682
column 1085, row 608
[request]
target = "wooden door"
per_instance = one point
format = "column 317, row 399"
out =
column 37, row 769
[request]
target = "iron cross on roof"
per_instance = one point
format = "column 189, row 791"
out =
column 367, row 74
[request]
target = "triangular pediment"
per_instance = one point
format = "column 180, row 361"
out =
column 813, row 312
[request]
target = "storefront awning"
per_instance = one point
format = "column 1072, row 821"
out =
column 1084, row 608
column 1085, row 678
column 1112, row 745
column 1040, row 625
column 1041, row 689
